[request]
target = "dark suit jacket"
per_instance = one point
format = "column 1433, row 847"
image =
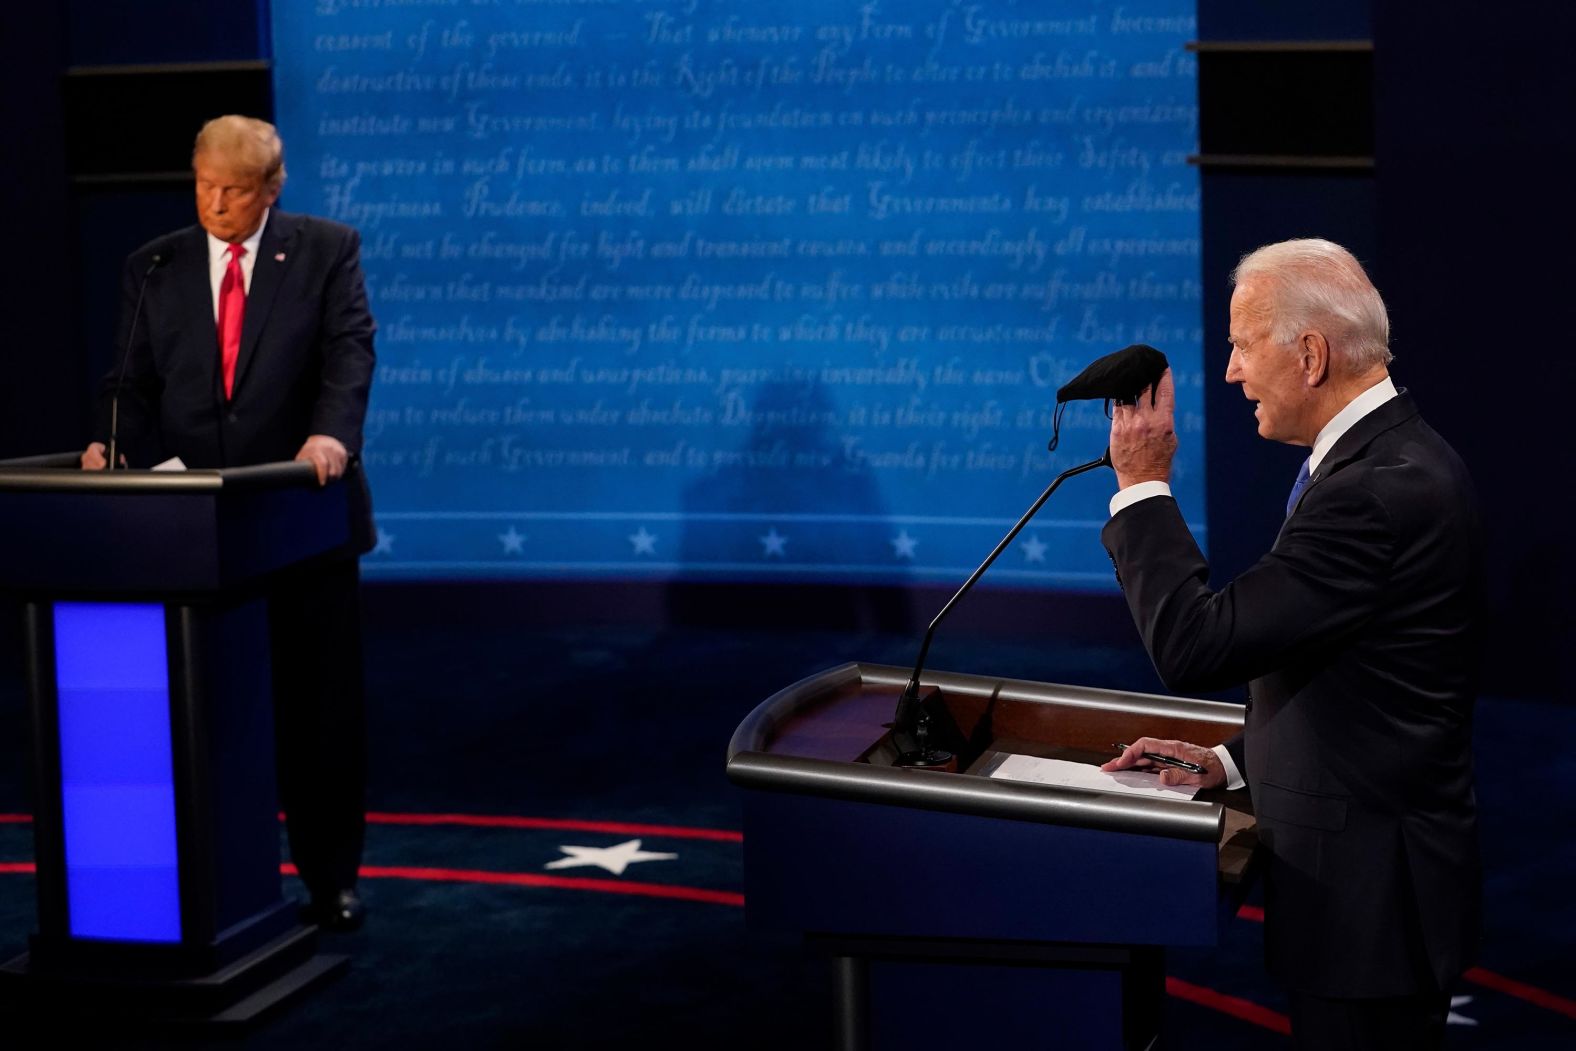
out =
column 305, row 364
column 1359, row 635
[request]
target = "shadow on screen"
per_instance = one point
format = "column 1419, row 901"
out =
column 747, row 521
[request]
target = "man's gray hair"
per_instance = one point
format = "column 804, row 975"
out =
column 1318, row 285
column 246, row 141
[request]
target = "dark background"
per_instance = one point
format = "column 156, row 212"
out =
column 1441, row 155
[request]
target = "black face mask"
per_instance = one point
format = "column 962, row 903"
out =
column 1119, row 377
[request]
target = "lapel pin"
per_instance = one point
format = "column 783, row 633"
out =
column 279, row 257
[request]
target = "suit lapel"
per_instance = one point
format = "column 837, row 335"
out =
column 1391, row 414
column 273, row 256
column 194, row 306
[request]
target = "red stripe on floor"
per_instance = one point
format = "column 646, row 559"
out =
column 1522, row 991
column 1235, row 1006
column 613, row 828
column 1477, row 975
column 532, row 879
column 1231, row 1005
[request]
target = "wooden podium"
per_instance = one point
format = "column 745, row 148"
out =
column 962, row 910
column 156, row 828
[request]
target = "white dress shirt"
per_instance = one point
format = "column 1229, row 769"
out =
column 1329, row 434
column 219, row 261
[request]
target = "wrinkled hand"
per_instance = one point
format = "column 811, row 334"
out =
column 327, row 454
column 93, row 458
column 1133, row 759
column 1143, row 436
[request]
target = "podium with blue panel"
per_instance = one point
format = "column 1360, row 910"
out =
column 963, row 910
column 156, row 827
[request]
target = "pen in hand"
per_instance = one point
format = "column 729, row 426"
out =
column 1156, row 757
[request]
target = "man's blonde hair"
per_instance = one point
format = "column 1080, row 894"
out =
column 246, row 142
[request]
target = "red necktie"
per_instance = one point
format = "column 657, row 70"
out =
column 232, row 307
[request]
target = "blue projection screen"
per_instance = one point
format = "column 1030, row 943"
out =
column 681, row 288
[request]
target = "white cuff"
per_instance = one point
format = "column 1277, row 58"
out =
column 1134, row 493
column 1233, row 775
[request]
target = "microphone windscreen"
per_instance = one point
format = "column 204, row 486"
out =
column 1121, row 376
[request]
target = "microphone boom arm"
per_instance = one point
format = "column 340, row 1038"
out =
column 910, row 715
column 125, row 358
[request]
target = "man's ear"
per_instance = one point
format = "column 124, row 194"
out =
column 1315, row 350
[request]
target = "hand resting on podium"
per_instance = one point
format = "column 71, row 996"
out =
column 323, row 452
column 1133, row 758
column 93, row 458
column 327, row 454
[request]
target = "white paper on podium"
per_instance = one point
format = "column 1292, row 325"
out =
column 1082, row 775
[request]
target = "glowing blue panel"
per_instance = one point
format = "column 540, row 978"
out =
column 117, row 781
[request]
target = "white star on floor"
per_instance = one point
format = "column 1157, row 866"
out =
column 1455, row 1019
column 774, row 543
column 1034, row 549
column 613, row 859
column 903, row 545
column 645, row 543
column 513, row 541
column 385, row 543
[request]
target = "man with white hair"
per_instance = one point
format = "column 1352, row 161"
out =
column 253, row 344
column 1358, row 634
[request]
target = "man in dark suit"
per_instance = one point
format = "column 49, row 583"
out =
column 1358, row 634
column 252, row 344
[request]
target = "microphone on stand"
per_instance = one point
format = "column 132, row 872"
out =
column 159, row 259
column 1119, row 377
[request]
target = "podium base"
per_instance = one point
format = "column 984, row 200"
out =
column 237, row 996
column 1090, row 997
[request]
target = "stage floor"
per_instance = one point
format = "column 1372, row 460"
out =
column 554, row 858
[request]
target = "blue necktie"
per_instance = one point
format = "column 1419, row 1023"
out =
column 1296, row 490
